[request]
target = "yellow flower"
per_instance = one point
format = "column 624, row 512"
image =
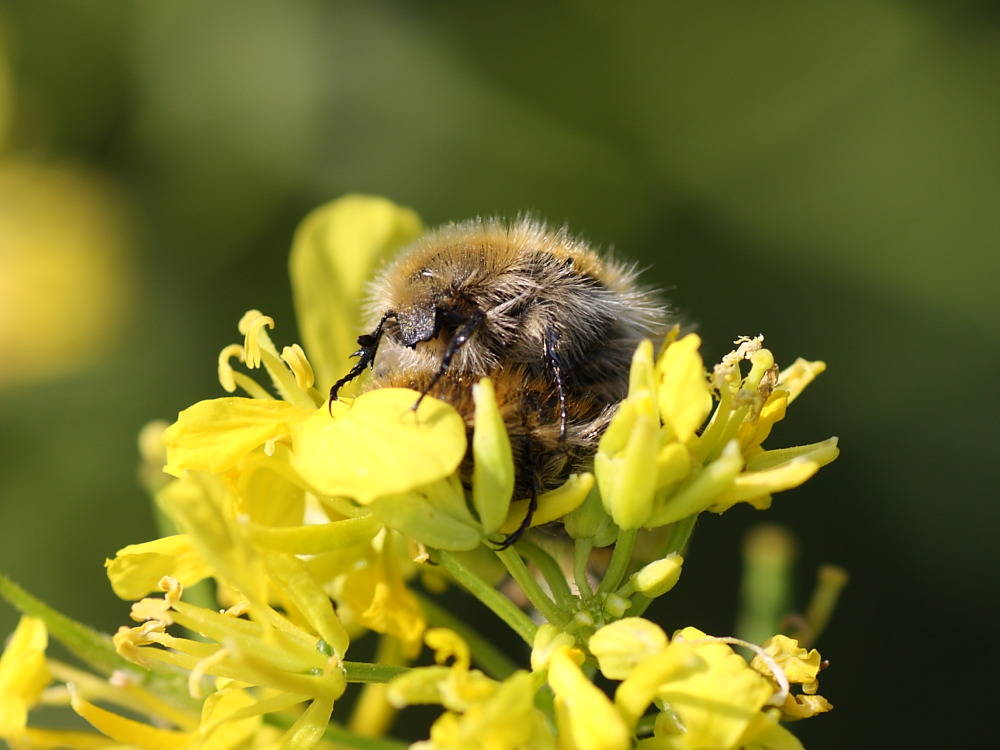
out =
column 481, row 712
column 28, row 679
column 800, row 667
column 660, row 461
column 287, row 663
column 311, row 519
column 379, row 599
column 711, row 695
column 23, row 675
column 628, row 448
column 66, row 270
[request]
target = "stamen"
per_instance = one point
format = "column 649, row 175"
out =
column 296, row 360
column 248, row 317
column 226, row 377
column 201, row 670
column 171, row 588
column 256, row 337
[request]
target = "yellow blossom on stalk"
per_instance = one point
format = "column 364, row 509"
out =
column 311, row 521
column 706, row 695
column 289, row 665
column 702, row 465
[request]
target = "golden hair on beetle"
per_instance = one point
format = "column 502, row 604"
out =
column 552, row 323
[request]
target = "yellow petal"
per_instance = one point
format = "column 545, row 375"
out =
column 623, row 644
column 128, row 731
column 380, row 446
column 642, row 375
column 715, row 701
column 798, row 375
column 23, row 675
column 307, row 597
column 673, row 463
column 776, row 471
column 639, row 689
column 698, row 491
column 333, row 254
column 586, row 719
column 798, row 707
column 137, row 569
column 228, row 721
column 214, row 435
column 752, row 434
column 684, row 395
column 626, row 460
column 507, row 719
column 493, row 473
column 821, row 453
column 765, row 733
column 201, row 505
column 379, row 598
column 800, row 666
column 316, row 538
column 553, row 504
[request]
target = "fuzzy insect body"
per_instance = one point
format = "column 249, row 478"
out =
column 553, row 325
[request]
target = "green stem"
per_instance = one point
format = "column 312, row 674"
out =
column 493, row 661
column 551, row 571
column 538, row 598
column 360, row 671
column 581, row 558
column 830, row 582
column 680, row 535
column 501, row 606
column 620, row 558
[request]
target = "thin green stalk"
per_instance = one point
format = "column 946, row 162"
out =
column 360, row 671
column 538, row 598
column 831, row 580
column 620, row 558
column 551, row 571
column 492, row 660
column 581, row 558
column 680, row 535
column 501, row 606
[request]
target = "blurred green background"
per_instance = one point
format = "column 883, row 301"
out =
column 825, row 173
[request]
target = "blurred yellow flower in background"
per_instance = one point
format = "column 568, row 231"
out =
column 67, row 277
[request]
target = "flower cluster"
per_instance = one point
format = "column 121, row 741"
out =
column 311, row 523
column 705, row 695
